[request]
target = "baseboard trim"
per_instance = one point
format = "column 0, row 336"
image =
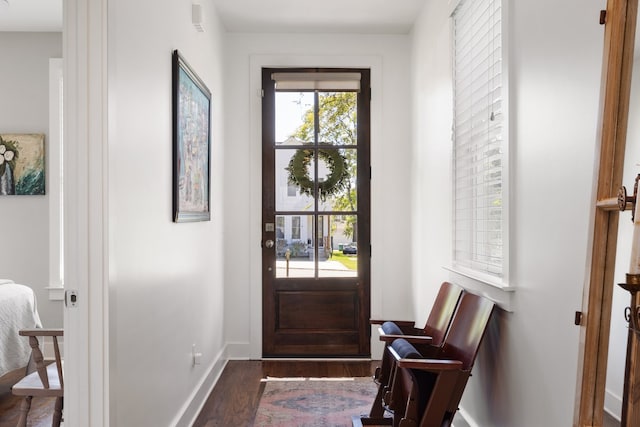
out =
column 463, row 419
column 613, row 404
column 195, row 402
column 238, row 350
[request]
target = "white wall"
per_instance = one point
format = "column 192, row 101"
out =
column 25, row 109
column 388, row 57
column 529, row 357
column 166, row 279
column 431, row 154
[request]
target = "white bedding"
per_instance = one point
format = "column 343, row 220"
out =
column 17, row 311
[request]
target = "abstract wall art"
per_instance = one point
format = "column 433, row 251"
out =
column 191, row 143
column 22, row 164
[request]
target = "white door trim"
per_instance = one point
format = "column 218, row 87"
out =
column 256, row 63
column 85, row 206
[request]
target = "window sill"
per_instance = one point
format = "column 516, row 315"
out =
column 487, row 286
column 56, row 293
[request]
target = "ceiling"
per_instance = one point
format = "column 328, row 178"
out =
column 30, row 15
column 319, row 16
column 256, row 16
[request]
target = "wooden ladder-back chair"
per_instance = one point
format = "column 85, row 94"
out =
column 426, row 392
column 427, row 340
column 47, row 379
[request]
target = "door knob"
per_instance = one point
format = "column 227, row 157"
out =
column 269, row 243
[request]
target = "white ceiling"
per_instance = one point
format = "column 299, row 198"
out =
column 271, row 16
column 319, row 16
column 30, row 15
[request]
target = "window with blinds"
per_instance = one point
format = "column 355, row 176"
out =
column 478, row 162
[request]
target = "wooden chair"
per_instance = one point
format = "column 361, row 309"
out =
column 427, row 340
column 426, row 392
column 46, row 380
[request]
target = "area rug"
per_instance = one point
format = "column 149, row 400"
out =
column 311, row 402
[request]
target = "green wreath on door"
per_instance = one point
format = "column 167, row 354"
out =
column 337, row 179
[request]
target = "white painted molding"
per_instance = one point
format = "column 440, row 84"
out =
column 256, row 63
column 86, row 212
column 198, row 397
column 613, row 404
column 466, row 418
column 501, row 295
column 238, row 350
column 54, row 178
column 56, row 293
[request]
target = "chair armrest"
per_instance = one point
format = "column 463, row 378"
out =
column 400, row 323
column 431, row 365
column 413, row 339
column 39, row 332
column 406, row 328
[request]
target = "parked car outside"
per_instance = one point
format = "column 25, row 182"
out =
column 350, row 249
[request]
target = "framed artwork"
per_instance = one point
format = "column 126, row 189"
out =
column 191, row 144
column 22, row 164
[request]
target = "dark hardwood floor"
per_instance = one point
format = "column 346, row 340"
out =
column 41, row 408
column 234, row 399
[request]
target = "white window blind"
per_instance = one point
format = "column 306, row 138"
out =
column 298, row 81
column 478, row 137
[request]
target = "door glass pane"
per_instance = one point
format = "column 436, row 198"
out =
column 337, row 173
column 294, row 117
column 338, row 118
column 310, row 237
column 294, row 249
column 295, row 172
column 289, row 196
column 338, row 257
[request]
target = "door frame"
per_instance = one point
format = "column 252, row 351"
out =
column 253, row 348
column 86, row 348
column 621, row 16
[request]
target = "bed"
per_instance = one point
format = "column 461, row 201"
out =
column 17, row 311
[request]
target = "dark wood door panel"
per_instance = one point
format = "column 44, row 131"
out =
column 322, row 349
column 316, row 343
column 328, row 310
column 315, row 337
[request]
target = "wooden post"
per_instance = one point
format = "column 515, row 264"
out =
column 619, row 35
column 287, row 255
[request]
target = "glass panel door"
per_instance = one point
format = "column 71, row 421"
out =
column 316, row 196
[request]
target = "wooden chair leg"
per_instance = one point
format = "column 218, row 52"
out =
column 24, row 410
column 57, row 412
